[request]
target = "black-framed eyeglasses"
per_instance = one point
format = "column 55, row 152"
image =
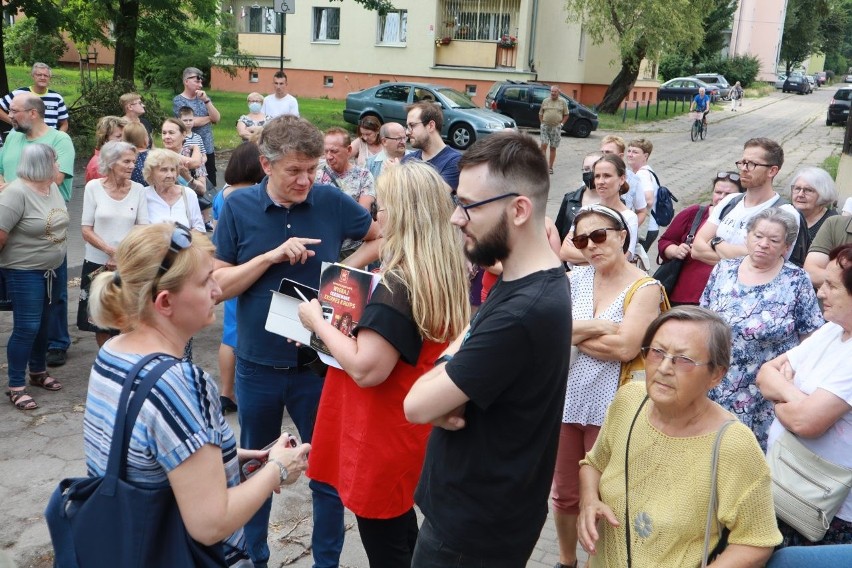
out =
column 394, row 138
column 802, row 189
column 410, row 126
column 597, row 236
column 722, row 176
column 196, row 77
column 749, row 166
column 465, row 208
column 679, row 362
column 181, row 240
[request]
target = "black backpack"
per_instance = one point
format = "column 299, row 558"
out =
column 803, row 238
column 663, row 210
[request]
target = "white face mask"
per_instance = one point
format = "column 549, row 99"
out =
column 254, row 107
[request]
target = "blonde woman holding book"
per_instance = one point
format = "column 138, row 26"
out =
column 362, row 443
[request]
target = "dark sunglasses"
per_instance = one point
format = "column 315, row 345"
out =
column 597, row 236
column 721, row 176
column 181, row 240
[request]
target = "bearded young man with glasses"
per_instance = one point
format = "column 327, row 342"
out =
column 496, row 394
column 423, row 127
column 724, row 233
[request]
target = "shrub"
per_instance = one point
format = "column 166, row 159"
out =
column 25, row 44
column 100, row 98
column 676, row 65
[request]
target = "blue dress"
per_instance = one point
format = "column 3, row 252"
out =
column 766, row 321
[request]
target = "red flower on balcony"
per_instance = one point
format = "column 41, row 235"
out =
column 507, row 41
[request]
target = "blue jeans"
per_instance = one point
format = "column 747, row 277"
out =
column 264, row 392
column 799, row 556
column 431, row 552
column 57, row 330
column 28, row 341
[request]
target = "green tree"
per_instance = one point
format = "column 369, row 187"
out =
column 640, row 29
column 47, row 16
column 812, row 26
column 717, row 21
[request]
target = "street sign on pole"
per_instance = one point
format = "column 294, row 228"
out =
column 284, row 6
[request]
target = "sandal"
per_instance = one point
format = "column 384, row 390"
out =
column 228, row 405
column 22, row 399
column 45, row 381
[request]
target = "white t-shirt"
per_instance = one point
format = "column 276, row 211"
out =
column 111, row 220
column 648, row 183
column 634, row 198
column 632, row 221
column 273, row 106
column 733, row 227
column 822, row 362
column 185, row 210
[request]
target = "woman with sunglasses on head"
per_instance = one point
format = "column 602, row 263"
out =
column 363, row 444
column 813, row 194
column 610, row 179
column 646, row 484
column 605, row 335
column 674, row 243
column 161, row 293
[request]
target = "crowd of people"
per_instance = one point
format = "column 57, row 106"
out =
column 503, row 361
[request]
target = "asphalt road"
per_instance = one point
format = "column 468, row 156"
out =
column 39, row 448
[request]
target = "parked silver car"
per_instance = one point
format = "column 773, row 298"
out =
column 464, row 122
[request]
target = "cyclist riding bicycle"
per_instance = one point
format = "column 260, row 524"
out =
column 701, row 103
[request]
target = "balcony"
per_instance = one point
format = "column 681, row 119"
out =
column 480, row 54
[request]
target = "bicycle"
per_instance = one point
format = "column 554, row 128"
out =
column 699, row 127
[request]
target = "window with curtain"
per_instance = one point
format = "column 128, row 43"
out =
column 326, row 24
column 260, row 20
column 392, row 26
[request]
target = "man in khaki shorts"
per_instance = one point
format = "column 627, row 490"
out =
column 552, row 115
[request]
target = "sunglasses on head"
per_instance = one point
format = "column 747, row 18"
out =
column 597, row 236
column 721, row 176
column 181, row 240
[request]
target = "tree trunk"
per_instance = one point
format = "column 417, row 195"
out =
column 126, row 25
column 623, row 82
column 4, row 78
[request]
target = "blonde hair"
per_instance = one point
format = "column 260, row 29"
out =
column 423, row 250
column 156, row 158
column 121, row 299
column 136, row 134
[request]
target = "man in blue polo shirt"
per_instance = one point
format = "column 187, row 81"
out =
column 284, row 227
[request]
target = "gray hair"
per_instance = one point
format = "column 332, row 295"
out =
column 36, row 163
column 190, row 71
column 40, row 65
column 111, row 153
column 821, row 181
column 285, row 134
column 781, row 217
column 718, row 333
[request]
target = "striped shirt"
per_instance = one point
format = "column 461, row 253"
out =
column 195, row 140
column 54, row 105
column 181, row 414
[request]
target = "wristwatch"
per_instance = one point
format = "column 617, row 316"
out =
column 282, row 470
column 714, row 242
column 443, row 359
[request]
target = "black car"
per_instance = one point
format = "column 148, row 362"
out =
column 838, row 108
column 685, row 88
column 522, row 101
column 796, row 84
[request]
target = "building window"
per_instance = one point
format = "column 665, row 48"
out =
column 260, row 20
column 484, row 20
column 470, row 90
column 328, row 81
column 253, row 77
column 392, row 27
column 582, row 53
column 326, row 24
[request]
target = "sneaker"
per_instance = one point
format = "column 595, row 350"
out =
column 56, row 357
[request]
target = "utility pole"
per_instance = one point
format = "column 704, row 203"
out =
column 283, row 7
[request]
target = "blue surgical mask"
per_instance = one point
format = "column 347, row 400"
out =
column 255, row 107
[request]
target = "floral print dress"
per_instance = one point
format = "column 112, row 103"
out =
column 766, row 320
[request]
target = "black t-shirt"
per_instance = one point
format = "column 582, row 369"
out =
column 389, row 314
column 484, row 488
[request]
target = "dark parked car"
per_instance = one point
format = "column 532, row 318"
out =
column 838, row 107
column 796, row 84
column 464, row 122
column 685, row 88
column 718, row 81
column 522, row 101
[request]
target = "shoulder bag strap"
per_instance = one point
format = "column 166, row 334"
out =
column 334, row 179
column 695, row 222
column 627, row 483
column 713, row 507
column 126, row 415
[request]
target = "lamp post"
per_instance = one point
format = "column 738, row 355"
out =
column 283, row 7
